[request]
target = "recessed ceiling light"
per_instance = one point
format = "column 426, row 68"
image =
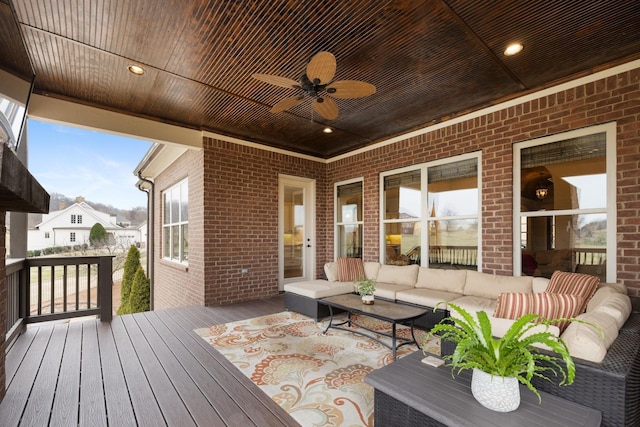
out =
column 513, row 49
column 136, row 69
column 327, row 130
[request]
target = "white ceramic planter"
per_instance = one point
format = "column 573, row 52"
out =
column 501, row 394
column 367, row 299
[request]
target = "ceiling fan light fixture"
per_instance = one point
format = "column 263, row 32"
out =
column 136, row 69
column 513, row 49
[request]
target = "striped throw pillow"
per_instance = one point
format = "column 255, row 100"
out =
column 513, row 305
column 350, row 269
column 582, row 285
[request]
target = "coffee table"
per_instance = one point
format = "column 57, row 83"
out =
column 383, row 310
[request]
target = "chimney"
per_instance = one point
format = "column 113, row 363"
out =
column 79, row 199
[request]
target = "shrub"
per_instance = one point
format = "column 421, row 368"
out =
column 140, row 293
column 131, row 265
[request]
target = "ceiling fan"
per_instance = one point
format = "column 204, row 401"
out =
column 316, row 83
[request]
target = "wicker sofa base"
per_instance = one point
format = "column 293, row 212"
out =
column 611, row 386
column 308, row 306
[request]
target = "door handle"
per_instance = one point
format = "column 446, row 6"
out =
column 308, row 246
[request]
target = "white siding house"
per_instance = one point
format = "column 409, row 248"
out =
column 71, row 226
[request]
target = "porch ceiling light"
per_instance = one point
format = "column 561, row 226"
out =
column 136, row 69
column 327, row 130
column 513, row 49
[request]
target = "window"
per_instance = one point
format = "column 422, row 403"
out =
column 72, row 237
column 73, row 219
column 46, row 234
column 348, row 219
column 175, row 222
column 79, row 219
column 565, row 203
column 430, row 214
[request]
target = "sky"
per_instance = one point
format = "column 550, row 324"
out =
column 78, row 162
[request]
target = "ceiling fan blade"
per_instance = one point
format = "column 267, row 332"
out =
column 276, row 80
column 350, row 89
column 287, row 103
column 327, row 108
column 322, row 67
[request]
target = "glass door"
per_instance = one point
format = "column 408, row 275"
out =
column 297, row 252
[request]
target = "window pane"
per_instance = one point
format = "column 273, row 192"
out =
column 350, row 241
column 402, row 195
column 402, row 243
column 568, row 174
column 166, row 211
column 453, row 189
column 574, row 243
column 175, row 205
column 184, row 194
column 185, row 242
column 166, row 242
column 175, row 242
column 350, row 202
column 453, row 244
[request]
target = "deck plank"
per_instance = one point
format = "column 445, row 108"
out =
column 117, row 401
column 173, row 409
column 199, row 407
column 65, row 404
column 147, row 369
column 14, row 403
column 146, row 409
column 93, row 411
column 38, row 408
column 233, row 380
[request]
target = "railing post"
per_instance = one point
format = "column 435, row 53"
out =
column 105, row 288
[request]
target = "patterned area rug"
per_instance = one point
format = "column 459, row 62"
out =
column 318, row 379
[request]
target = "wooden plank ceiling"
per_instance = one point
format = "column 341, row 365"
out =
column 429, row 59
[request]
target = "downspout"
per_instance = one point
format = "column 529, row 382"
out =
column 150, row 237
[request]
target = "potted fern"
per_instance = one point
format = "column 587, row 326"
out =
column 366, row 288
column 502, row 363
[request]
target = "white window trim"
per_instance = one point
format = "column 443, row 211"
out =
column 336, row 224
column 423, row 220
column 178, row 223
column 610, row 131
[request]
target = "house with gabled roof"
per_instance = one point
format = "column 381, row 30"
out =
column 71, row 226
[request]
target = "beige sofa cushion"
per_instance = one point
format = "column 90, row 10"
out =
column 405, row 275
column 441, row 279
column 540, row 284
column 371, row 269
column 427, row 297
column 389, row 290
column 617, row 306
column 331, row 271
column 585, row 342
column 601, row 294
column 319, row 288
column 491, row 285
column 473, row 303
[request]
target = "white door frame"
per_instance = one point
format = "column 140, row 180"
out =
column 309, row 246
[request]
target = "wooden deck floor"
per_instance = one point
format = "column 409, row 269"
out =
column 147, row 369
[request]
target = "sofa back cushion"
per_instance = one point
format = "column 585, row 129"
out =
column 491, row 285
column 588, row 343
column 582, row 285
column 398, row 274
column 441, row 280
column 371, row 269
column 350, row 269
column 514, row 305
column 331, row 271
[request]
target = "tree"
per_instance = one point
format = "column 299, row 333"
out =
column 139, row 299
column 98, row 235
column 131, row 265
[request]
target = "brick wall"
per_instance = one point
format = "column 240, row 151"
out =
column 175, row 285
column 241, row 218
column 615, row 98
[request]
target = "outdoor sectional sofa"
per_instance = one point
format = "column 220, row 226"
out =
column 607, row 368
